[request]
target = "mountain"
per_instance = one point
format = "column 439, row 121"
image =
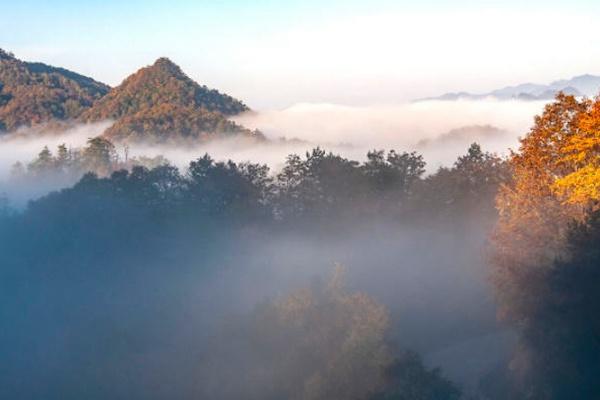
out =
column 35, row 93
column 160, row 103
column 161, row 83
column 583, row 85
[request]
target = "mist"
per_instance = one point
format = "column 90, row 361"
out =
column 155, row 323
column 401, row 126
column 143, row 292
column 300, row 200
column 422, row 126
column 179, row 306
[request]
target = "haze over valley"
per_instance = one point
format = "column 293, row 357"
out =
column 299, row 200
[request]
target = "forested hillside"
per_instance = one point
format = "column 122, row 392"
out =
column 35, row 93
column 214, row 270
column 160, row 103
column 157, row 104
column 161, row 83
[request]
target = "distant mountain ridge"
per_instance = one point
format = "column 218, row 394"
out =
column 582, row 85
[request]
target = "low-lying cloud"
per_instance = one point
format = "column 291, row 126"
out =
column 400, row 126
column 440, row 130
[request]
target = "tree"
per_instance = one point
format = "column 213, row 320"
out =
column 550, row 188
column 44, row 164
column 394, row 175
column 322, row 342
column 408, row 379
column 560, row 340
column 99, row 156
column 581, row 155
column 225, row 188
column 469, row 187
column 63, row 158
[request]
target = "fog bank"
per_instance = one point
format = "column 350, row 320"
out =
column 440, row 130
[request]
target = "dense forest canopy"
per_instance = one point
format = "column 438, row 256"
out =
column 155, row 228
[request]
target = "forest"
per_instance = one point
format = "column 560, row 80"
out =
column 328, row 278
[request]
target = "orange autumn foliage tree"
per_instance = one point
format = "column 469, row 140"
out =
column 533, row 218
column 555, row 181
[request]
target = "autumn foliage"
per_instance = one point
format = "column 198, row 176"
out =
column 157, row 104
column 35, row 93
column 553, row 191
column 160, row 103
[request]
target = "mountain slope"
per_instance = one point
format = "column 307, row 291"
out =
column 583, row 85
column 35, row 93
column 171, row 123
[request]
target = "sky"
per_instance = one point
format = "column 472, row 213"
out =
column 274, row 54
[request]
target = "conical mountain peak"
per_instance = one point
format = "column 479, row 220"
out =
column 162, row 83
column 165, row 65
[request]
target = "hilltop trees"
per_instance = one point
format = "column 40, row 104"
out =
column 325, row 184
column 468, row 187
column 99, row 156
column 227, row 188
column 67, row 165
column 44, row 164
column 318, row 185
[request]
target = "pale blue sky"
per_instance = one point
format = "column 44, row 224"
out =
column 277, row 53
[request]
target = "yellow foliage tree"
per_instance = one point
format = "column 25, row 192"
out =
column 581, row 155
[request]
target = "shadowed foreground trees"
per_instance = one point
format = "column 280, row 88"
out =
column 320, row 343
column 121, row 274
column 563, row 335
column 407, row 379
